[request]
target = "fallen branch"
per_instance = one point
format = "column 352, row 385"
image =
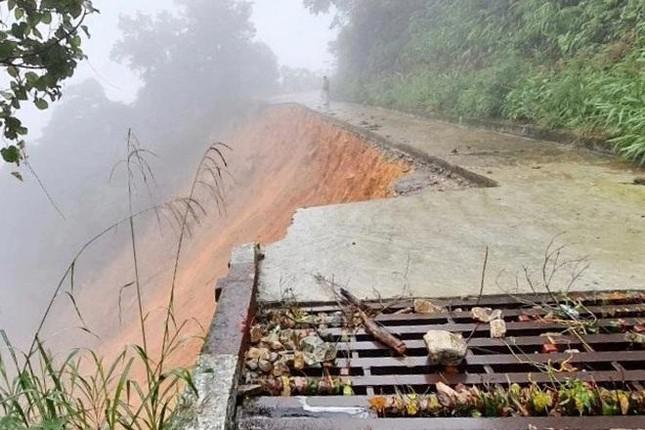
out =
column 379, row 332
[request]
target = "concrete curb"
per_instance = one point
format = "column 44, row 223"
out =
column 528, row 130
column 218, row 370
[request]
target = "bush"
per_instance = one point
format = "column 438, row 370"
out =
column 557, row 63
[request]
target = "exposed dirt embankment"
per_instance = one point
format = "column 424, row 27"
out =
column 283, row 158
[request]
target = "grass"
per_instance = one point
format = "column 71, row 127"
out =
column 557, row 64
column 85, row 390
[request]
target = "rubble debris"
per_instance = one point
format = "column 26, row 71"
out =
column 300, row 385
column 497, row 328
column 280, row 368
column 424, row 306
column 634, row 337
column 445, row 348
column 257, row 353
column 265, row 365
column 315, row 350
column 486, row 315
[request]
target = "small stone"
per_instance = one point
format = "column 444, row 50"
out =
column 497, row 329
column 257, row 353
column 280, row 368
column 252, row 364
column 486, row 315
column 310, row 343
column 336, row 319
column 276, row 345
column 273, row 357
column 445, row 348
column 423, row 306
column 265, row 365
column 316, row 350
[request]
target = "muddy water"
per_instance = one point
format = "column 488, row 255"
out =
column 283, row 158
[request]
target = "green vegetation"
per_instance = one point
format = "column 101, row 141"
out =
column 40, row 46
column 139, row 388
column 571, row 64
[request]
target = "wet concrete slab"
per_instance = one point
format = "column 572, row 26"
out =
column 432, row 243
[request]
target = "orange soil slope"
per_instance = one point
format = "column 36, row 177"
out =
column 284, row 158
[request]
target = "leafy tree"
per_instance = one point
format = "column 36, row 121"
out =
column 40, row 46
column 198, row 62
column 558, row 63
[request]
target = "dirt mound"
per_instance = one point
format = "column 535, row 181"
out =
column 284, row 158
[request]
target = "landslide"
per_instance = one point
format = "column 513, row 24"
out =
column 283, row 157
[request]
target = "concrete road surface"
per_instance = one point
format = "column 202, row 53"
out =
column 433, row 243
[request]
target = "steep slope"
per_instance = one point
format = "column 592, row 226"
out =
column 283, row 158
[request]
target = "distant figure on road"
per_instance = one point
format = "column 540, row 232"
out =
column 325, row 91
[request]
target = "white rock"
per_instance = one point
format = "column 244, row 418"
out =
column 486, row 314
column 423, row 306
column 445, row 348
column 497, row 328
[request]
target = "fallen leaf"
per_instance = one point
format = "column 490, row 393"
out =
column 286, row 386
column 377, row 403
column 446, row 395
column 623, row 400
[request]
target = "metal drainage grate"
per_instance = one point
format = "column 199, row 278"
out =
column 608, row 357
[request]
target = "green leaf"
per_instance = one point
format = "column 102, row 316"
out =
column 17, row 175
column 41, row 104
column 10, row 154
column 13, row 71
column 46, row 17
column 32, row 78
column 6, row 49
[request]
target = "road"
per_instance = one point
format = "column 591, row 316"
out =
column 433, row 243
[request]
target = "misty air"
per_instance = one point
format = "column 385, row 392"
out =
column 334, row 214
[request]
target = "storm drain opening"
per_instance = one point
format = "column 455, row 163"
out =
column 562, row 361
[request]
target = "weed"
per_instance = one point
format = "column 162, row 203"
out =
column 86, row 390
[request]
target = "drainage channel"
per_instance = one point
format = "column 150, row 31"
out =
column 599, row 348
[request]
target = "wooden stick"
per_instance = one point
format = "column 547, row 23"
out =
column 379, row 332
column 355, row 301
column 382, row 335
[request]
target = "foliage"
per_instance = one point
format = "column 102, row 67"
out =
column 40, row 46
column 84, row 390
column 198, row 63
column 557, row 63
column 570, row 397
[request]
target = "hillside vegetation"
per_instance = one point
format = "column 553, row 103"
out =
column 571, row 64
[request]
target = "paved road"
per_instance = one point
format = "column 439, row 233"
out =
column 433, row 243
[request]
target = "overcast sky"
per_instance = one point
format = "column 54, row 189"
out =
column 298, row 38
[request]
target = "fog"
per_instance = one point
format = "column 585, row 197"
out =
column 179, row 73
